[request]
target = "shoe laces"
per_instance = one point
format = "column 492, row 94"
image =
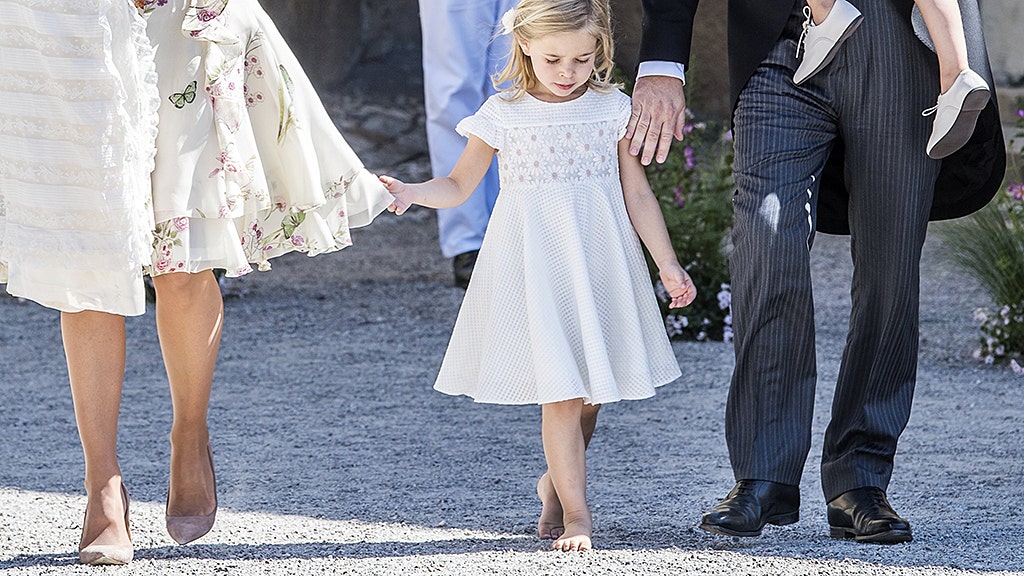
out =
column 807, row 27
column 930, row 111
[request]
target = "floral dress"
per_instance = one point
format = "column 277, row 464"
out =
column 249, row 164
column 561, row 304
column 77, row 132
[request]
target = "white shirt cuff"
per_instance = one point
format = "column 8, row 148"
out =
column 662, row 68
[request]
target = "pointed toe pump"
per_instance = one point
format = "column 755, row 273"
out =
column 107, row 554
column 185, row 529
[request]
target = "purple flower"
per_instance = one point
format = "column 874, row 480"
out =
column 1015, row 191
column 691, row 160
column 1020, row 113
column 679, row 197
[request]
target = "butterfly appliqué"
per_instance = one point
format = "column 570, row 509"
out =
column 186, row 96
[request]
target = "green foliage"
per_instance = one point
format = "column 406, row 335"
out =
column 989, row 245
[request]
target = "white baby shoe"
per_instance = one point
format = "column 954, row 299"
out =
column 956, row 114
column 821, row 42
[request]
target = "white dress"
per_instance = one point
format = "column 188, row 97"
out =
column 77, row 130
column 561, row 304
column 249, row 165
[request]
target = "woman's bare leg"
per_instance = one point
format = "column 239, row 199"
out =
column 94, row 344
column 189, row 319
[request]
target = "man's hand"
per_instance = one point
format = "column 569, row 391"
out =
column 659, row 114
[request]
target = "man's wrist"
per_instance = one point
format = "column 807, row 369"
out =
column 662, row 68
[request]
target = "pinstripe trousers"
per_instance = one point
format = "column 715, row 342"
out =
column 870, row 98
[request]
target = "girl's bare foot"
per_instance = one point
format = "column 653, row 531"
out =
column 578, row 528
column 550, row 525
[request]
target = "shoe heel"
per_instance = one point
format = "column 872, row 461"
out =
column 976, row 100
column 839, row 533
column 108, row 555
column 784, row 519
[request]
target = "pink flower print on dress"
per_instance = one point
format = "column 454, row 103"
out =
column 297, row 240
column 180, row 223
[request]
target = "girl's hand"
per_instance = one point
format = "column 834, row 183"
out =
column 403, row 195
column 678, row 284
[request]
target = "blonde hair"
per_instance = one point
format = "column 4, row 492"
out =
column 538, row 18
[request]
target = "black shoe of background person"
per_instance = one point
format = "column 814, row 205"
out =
column 865, row 515
column 463, row 265
column 750, row 505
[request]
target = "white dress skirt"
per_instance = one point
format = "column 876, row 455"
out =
column 249, row 165
column 77, row 130
column 561, row 304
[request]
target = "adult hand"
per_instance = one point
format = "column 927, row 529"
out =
column 659, row 114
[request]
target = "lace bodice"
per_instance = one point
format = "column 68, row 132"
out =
column 542, row 144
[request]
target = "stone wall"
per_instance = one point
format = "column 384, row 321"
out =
column 707, row 89
column 332, row 38
column 1004, row 34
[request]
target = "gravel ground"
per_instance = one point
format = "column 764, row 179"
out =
column 334, row 455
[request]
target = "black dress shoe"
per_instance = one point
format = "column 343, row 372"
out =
column 463, row 265
column 751, row 505
column 865, row 515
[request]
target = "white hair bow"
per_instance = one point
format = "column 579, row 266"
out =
column 508, row 21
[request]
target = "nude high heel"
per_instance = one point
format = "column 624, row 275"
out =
column 185, row 529
column 107, row 554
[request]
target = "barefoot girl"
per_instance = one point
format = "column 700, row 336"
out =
column 963, row 93
column 560, row 310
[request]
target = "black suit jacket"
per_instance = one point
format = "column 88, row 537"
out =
column 968, row 179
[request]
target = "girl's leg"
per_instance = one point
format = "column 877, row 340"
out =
column 963, row 94
column 565, row 452
column 94, row 344
column 946, row 28
column 550, row 525
column 189, row 318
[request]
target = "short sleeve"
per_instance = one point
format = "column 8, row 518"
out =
column 625, row 109
column 485, row 124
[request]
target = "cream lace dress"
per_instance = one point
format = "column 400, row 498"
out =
column 250, row 166
column 77, row 130
column 560, row 305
